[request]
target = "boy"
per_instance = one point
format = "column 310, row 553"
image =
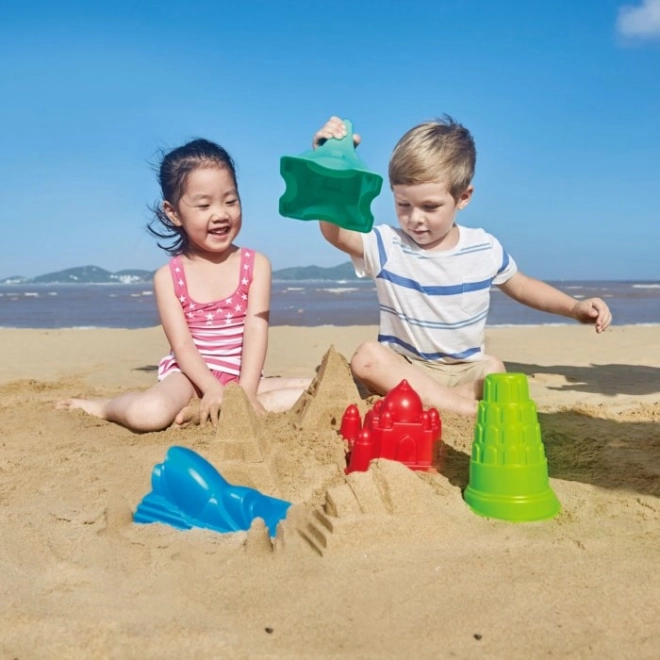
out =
column 433, row 277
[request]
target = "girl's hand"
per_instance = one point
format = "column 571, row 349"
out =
column 256, row 404
column 209, row 407
column 334, row 128
column 593, row 310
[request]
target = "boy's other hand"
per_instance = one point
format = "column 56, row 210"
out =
column 334, row 128
column 593, row 310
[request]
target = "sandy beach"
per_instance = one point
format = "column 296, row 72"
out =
column 388, row 563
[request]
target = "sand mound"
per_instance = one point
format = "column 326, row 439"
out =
column 374, row 564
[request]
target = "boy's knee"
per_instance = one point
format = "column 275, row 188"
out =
column 493, row 365
column 364, row 358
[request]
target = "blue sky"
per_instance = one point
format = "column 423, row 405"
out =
column 563, row 100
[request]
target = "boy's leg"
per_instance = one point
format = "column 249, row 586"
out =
column 473, row 385
column 381, row 369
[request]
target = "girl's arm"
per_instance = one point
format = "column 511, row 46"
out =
column 255, row 334
column 178, row 335
column 546, row 298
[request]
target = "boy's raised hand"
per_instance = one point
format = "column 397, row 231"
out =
column 593, row 310
column 333, row 128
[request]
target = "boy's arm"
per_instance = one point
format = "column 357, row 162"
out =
column 546, row 298
column 346, row 240
column 255, row 333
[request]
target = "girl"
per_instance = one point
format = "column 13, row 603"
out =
column 213, row 299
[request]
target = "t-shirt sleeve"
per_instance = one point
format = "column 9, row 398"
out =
column 504, row 263
column 369, row 265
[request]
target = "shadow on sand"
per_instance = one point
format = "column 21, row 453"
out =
column 606, row 379
column 608, row 453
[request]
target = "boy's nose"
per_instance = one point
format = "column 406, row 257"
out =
column 416, row 216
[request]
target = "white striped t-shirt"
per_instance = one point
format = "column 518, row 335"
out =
column 434, row 304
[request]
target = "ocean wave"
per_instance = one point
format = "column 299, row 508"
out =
column 528, row 325
column 338, row 290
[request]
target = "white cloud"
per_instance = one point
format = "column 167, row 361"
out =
column 640, row 22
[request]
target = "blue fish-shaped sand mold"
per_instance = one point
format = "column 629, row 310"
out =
column 189, row 492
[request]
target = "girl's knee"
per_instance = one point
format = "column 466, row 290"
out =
column 149, row 413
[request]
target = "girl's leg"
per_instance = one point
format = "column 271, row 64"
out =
column 152, row 410
column 279, row 394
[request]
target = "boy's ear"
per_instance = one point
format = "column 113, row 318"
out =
column 171, row 213
column 465, row 198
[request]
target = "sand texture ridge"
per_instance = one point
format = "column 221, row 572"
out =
column 386, row 563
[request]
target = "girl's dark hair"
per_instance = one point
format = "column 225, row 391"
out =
column 174, row 167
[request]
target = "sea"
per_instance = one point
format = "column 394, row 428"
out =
column 304, row 303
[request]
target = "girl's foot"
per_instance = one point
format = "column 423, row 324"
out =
column 187, row 416
column 94, row 407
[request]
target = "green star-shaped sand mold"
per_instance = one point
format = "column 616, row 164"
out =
column 330, row 183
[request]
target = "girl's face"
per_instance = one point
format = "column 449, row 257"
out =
column 209, row 210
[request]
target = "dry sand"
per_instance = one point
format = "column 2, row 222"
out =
column 389, row 563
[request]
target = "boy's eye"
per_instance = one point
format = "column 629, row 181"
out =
column 431, row 207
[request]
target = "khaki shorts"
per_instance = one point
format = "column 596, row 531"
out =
column 451, row 375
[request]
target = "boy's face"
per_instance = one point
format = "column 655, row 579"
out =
column 426, row 213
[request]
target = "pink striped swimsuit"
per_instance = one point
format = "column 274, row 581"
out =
column 216, row 327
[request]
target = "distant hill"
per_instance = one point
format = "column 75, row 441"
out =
column 96, row 275
column 333, row 273
column 84, row 275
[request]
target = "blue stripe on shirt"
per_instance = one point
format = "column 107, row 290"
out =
column 450, row 290
column 382, row 255
column 434, row 324
column 505, row 261
column 476, row 248
column 390, row 339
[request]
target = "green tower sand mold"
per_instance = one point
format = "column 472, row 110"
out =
column 330, row 183
column 508, row 468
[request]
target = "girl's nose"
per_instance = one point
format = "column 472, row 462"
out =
column 219, row 212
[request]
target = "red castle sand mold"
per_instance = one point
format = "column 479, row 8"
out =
column 397, row 428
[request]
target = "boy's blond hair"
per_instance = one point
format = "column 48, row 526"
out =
column 440, row 150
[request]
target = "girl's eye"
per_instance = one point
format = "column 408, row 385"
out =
column 231, row 202
column 202, row 206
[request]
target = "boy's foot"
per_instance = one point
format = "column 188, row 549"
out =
column 94, row 407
